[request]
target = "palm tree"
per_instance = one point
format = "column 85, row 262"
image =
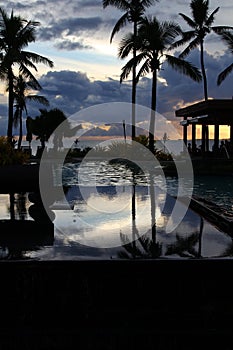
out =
column 15, row 34
column 154, row 38
column 201, row 25
column 185, row 246
column 134, row 10
column 44, row 125
column 21, row 96
column 228, row 38
column 47, row 124
column 142, row 248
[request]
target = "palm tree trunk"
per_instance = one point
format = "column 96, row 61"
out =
column 203, row 72
column 10, row 106
column 20, row 130
column 153, row 210
column 134, row 83
column 153, row 111
column 42, row 140
column 205, row 92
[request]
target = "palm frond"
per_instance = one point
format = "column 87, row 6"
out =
column 39, row 99
column 126, row 69
column 184, row 67
column 119, row 4
column 126, row 46
column 221, row 30
column 26, row 73
column 186, row 37
column 33, row 84
column 130, row 247
column 119, row 25
column 227, row 37
column 190, row 47
column 25, row 62
column 188, row 20
column 222, row 76
column 169, row 31
column 27, row 34
column 183, row 245
column 211, row 18
column 35, row 58
column 144, row 69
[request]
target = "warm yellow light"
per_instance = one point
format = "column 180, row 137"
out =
column 224, row 132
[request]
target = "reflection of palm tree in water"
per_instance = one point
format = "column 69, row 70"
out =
column 17, row 206
column 185, row 247
column 21, row 206
column 153, row 210
column 142, row 247
column 147, row 247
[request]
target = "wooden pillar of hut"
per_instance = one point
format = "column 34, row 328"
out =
column 194, row 137
column 207, row 138
column 185, row 133
column 203, row 135
column 216, row 137
column 231, row 134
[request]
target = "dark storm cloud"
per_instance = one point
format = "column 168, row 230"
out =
column 72, row 91
column 69, row 26
column 69, row 45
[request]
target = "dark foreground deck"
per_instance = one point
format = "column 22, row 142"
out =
column 160, row 304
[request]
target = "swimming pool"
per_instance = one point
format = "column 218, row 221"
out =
column 111, row 214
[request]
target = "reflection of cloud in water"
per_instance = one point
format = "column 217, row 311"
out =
column 99, row 217
column 98, row 221
column 86, row 226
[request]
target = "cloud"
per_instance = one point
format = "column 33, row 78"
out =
column 70, row 25
column 69, row 45
column 182, row 89
column 72, row 91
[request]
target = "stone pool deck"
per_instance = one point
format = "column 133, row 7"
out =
column 118, row 304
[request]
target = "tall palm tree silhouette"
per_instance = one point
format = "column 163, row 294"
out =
column 228, row 38
column 133, row 13
column 154, row 38
column 201, row 25
column 21, row 96
column 15, row 34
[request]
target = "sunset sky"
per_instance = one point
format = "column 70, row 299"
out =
column 75, row 34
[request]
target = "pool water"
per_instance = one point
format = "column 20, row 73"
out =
column 112, row 214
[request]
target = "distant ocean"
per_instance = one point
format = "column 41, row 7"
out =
column 170, row 146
